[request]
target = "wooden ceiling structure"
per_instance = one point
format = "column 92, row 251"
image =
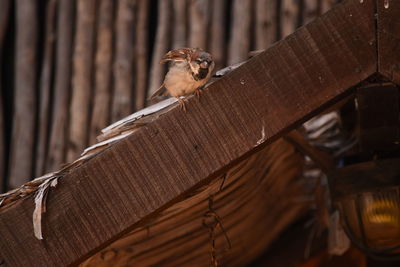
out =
column 237, row 116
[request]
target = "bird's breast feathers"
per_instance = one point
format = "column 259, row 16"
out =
column 179, row 81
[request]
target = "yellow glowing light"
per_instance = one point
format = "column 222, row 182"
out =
column 382, row 211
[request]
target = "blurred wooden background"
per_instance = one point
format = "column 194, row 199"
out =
column 68, row 68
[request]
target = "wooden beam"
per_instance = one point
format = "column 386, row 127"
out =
column 151, row 169
column 389, row 39
column 323, row 160
column 249, row 198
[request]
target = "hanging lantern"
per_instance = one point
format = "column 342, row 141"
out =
column 367, row 196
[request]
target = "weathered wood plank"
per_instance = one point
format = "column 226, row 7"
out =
column 389, row 39
column 23, row 137
column 238, row 114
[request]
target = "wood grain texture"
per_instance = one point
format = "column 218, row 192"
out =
column 23, row 137
column 4, row 22
column 45, row 88
column 238, row 114
column 103, row 69
column 254, row 197
column 389, row 40
column 56, row 154
column 82, row 79
column 123, row 77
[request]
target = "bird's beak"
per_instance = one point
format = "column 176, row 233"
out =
column 204, row 64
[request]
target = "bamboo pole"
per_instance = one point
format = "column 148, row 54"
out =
column 44, row 90
column 142, row 54
column 239, row 44
column 123, row 69
column 310, row 10
column 265, row 32
column 199, row 21
column 218, row 33
column 23, row 137
column 103, row 69
column 62, row 86
column 326, row 5
column 82, row 79
column 4, row 18
column 180, row 23
column 161, row 46
column 289, row 17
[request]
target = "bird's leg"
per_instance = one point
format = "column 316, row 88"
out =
column 198, row 92
column 182, row 103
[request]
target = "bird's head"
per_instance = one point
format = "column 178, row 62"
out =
column 201, row 64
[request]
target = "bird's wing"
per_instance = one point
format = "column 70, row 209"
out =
column 162, row 91
column 182, row 54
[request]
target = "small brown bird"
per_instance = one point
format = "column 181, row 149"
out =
column 190, row 69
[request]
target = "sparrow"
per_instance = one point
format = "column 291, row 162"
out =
column 189, row 70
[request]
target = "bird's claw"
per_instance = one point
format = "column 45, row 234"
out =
column 182, row 104
column 197, row 93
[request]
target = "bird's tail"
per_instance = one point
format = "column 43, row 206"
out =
column 159, row 92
